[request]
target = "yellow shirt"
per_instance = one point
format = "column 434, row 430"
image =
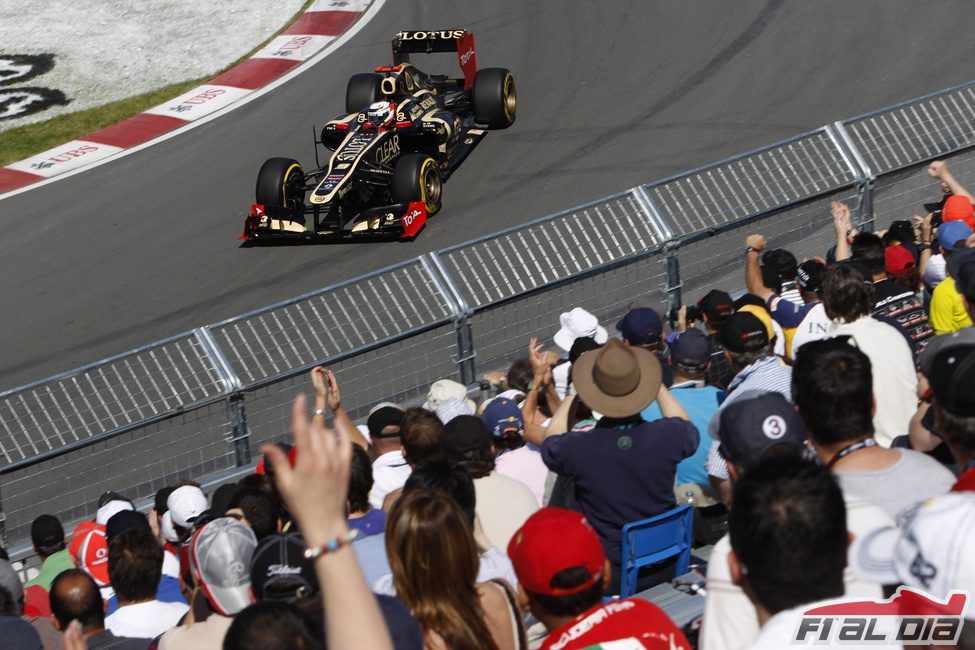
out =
column 948, row 312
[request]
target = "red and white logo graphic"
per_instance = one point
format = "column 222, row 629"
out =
column 909, row 617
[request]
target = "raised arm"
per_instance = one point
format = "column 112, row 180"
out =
column 842, row 225
column 939, row 169
column 327, row 391
column 315, row 491
column 754, row 245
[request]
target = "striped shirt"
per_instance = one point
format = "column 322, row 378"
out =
column 768, row 375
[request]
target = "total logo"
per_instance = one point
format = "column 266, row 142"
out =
column 910, row 617
column 466, row 56
column 411, row 216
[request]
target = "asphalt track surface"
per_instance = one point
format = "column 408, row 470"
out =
column 611, row 94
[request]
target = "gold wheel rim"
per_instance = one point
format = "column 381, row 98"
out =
column 510, row 97
column 432, row 187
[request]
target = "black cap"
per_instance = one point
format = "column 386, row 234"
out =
column 717, row 305
column 125, row 520
column 744, row 332
column 754, row 423
column 465, row 433
column 385, row 416
column 280, row 571
column 948, row 362
column 961, row 267
column 809, row 275
column 782, row 262
column 46, row 532
column 111, row 496
column 162, row 494
column 580, row 345
column 221, row 498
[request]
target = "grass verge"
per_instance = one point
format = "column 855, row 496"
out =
column 25, row 141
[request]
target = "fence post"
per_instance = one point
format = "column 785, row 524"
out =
column 671, row 245
column 466, row 354
column 864, row 218
column 236, row 412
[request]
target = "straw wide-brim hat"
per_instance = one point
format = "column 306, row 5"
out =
column 617, row 380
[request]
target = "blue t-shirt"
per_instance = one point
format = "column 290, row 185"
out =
column 701, row 404
column 372, row 523
column 371, row 553
column 622, row 474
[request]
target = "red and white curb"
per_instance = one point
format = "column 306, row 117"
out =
column 325, row 23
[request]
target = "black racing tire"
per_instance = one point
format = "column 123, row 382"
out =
column 495, row 98
column 363, row 89
column 281, row 183
column 416, row 177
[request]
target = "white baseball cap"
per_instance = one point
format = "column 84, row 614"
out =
column 166, row 528
column 185, row 504
column 931, row 551
column 579, row 323
column 103, row 514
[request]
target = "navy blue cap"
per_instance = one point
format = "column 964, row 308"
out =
column 502, row 414
column 691, row 347
column 638, row 324
column 754, row 423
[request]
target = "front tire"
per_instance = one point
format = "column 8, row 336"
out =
column 495, row 98
column 281, row 184
column 417, row 178
column 363, row 89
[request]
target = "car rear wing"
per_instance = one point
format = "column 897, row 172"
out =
column 441, row 40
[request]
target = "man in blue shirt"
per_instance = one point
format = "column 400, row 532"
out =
column 623, row 468
column 689, row 360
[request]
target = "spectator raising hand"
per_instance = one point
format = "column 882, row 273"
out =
column 843, row 227
column 327, row 391
column 315, row 490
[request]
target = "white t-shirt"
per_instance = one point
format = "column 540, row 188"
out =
column 145, row 620
column 894, row 374
column 730, row 620
column 503, row 505
column 389, row 472
column 779, row 631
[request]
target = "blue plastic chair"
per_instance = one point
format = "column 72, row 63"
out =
column 654, row 540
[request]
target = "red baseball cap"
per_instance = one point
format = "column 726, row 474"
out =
column 553, row 540
column 898, row 259
column 958, row 208
column 89, row 548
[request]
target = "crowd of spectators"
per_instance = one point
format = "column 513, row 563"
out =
column 821, row 424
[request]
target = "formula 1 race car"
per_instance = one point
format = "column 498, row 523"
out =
column 404, row 133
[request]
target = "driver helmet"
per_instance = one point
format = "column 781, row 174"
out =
column 380, row 113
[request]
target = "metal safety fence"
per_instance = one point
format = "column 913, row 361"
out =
column 197, row 405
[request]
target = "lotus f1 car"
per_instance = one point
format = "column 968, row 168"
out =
column 403, row 134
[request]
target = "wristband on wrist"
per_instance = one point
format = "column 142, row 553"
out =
column 318, row 412
column 751, row 249
column 331, row 545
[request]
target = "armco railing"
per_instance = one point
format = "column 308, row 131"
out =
column 196, row 405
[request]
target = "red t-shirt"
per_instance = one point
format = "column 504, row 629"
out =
column 619, row 620
column 965, row 482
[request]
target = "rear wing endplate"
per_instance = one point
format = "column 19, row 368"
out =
column 441, row 40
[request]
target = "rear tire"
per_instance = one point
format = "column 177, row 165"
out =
column 417, row 178
column 363, row 89
column 495, row 98
column 281, row 184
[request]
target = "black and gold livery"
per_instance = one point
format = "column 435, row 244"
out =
column 384, row 177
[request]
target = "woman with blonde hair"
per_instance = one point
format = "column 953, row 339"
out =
column 434, row 559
